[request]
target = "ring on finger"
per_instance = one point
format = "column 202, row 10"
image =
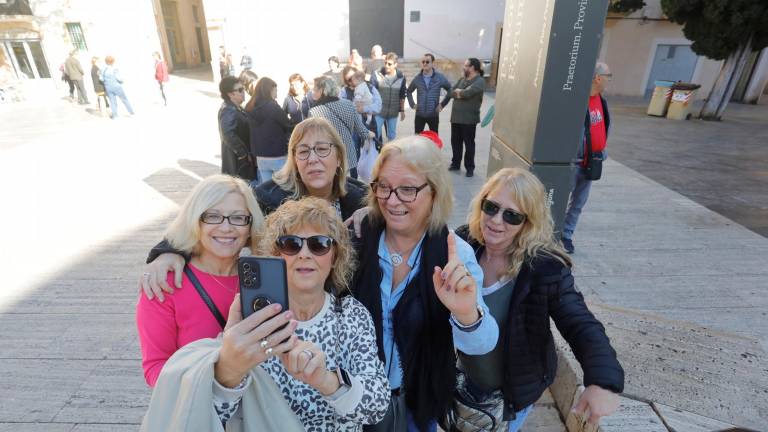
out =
column 268, row 352
column 264, row 344
column 309, row 353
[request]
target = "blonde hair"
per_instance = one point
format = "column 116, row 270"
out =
column 536, row 235
column 289, row 178
column 184, row 231
column 422, row 156
column 317, row 213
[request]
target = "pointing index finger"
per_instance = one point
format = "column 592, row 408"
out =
column 451, row 246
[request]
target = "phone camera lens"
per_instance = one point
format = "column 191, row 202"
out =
column 246, row 267
column 248, row 281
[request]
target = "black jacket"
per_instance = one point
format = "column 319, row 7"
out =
column 544, row 289
column 236, row 158
column 270, row 196
column 269, row 129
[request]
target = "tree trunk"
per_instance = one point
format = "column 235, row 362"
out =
column 726, row 82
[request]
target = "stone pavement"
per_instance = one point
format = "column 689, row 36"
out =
column 679, row 287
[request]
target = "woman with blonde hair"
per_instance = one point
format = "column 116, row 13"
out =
column 219, row 218
column 330, row 376
column 527, row 280
column 315, row 166
column 419, row 281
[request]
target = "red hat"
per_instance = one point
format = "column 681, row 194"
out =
column 434, row 137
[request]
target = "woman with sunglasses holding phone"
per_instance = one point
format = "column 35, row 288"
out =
column 328, row 370
column 527, row 280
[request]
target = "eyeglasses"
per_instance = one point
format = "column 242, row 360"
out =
column 291, row 245
column 404, row 193
column 425, row 62
column 510, row 216
column 321, row 149
column 216, row 219
column 239, row 90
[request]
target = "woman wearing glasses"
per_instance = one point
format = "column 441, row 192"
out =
column 315, row 166
column 328, row 370
column 236, row 158
column 218, row 219
column 527, row 280
column 420, row 284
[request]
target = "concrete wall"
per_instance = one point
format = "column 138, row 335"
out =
column 454, row 29
column 282, row 38
column 629, row 47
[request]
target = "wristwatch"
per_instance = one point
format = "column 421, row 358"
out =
column 345, row 383
column 472, row 327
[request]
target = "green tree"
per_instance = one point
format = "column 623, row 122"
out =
column 722, row 30
column 625, row 6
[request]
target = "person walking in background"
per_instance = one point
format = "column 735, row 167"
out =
column 467, row 96
column 234, row 131
column 596, row 125
column 270, row 129
column 390, row 83
column 296, row 103
column 230, row 66
column 223, row 69
column 334, row 70
column 98, row 85
column 355, row 60
column 375, row 63
column 65, row 78
column 249, row 80
column 75, row 73
column 161, row 74
column 428, row 85
column 246, row 61
column 113, row 84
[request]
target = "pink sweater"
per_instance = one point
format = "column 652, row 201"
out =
column 183, row 317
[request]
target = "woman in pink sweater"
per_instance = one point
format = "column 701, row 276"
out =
column 219, row 218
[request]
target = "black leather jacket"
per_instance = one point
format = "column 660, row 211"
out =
column 544, row 289
column 236, row 157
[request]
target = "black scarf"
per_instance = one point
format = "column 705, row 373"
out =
column 422, row 332
column 326, row 99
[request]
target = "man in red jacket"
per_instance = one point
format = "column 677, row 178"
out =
column 161, row 74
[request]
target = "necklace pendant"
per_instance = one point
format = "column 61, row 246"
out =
column 396, row 259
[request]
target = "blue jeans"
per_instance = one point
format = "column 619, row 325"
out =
column 520, row 417
column 117, row 92
column 576, row 202
column 267, row 167
column 390, row 123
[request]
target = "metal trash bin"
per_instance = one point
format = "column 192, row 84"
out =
column 660, row 99
column 682, row 101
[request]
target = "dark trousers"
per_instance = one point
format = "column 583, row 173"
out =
column 463, row 135
column 82, row 96
column 419, row 122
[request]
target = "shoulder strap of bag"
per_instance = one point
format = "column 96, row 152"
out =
column 204, row 295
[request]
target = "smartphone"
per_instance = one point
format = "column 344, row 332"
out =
column 262, row 283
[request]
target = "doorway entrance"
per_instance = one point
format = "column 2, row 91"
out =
column 671, row 63
column 26, row 57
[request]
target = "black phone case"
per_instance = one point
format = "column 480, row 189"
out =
column 262, row 282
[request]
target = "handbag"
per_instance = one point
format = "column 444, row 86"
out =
column 594, row 163
column 368, row 156
column 475, row 413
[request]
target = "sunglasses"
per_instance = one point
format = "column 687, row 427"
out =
column 425, row 62
column 510, row 216
column 291, row 245
column 239, row 90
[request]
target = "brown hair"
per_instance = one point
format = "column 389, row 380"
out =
column 296, row 77
column 263, row 91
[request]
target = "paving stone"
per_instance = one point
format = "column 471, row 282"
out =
column 682, row 421
column 37, row 427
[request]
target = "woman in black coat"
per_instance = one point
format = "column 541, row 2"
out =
column 270, row 128
column 527, row 281
column 236, row 157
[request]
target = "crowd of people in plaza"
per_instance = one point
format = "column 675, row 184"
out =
column 394, row 322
